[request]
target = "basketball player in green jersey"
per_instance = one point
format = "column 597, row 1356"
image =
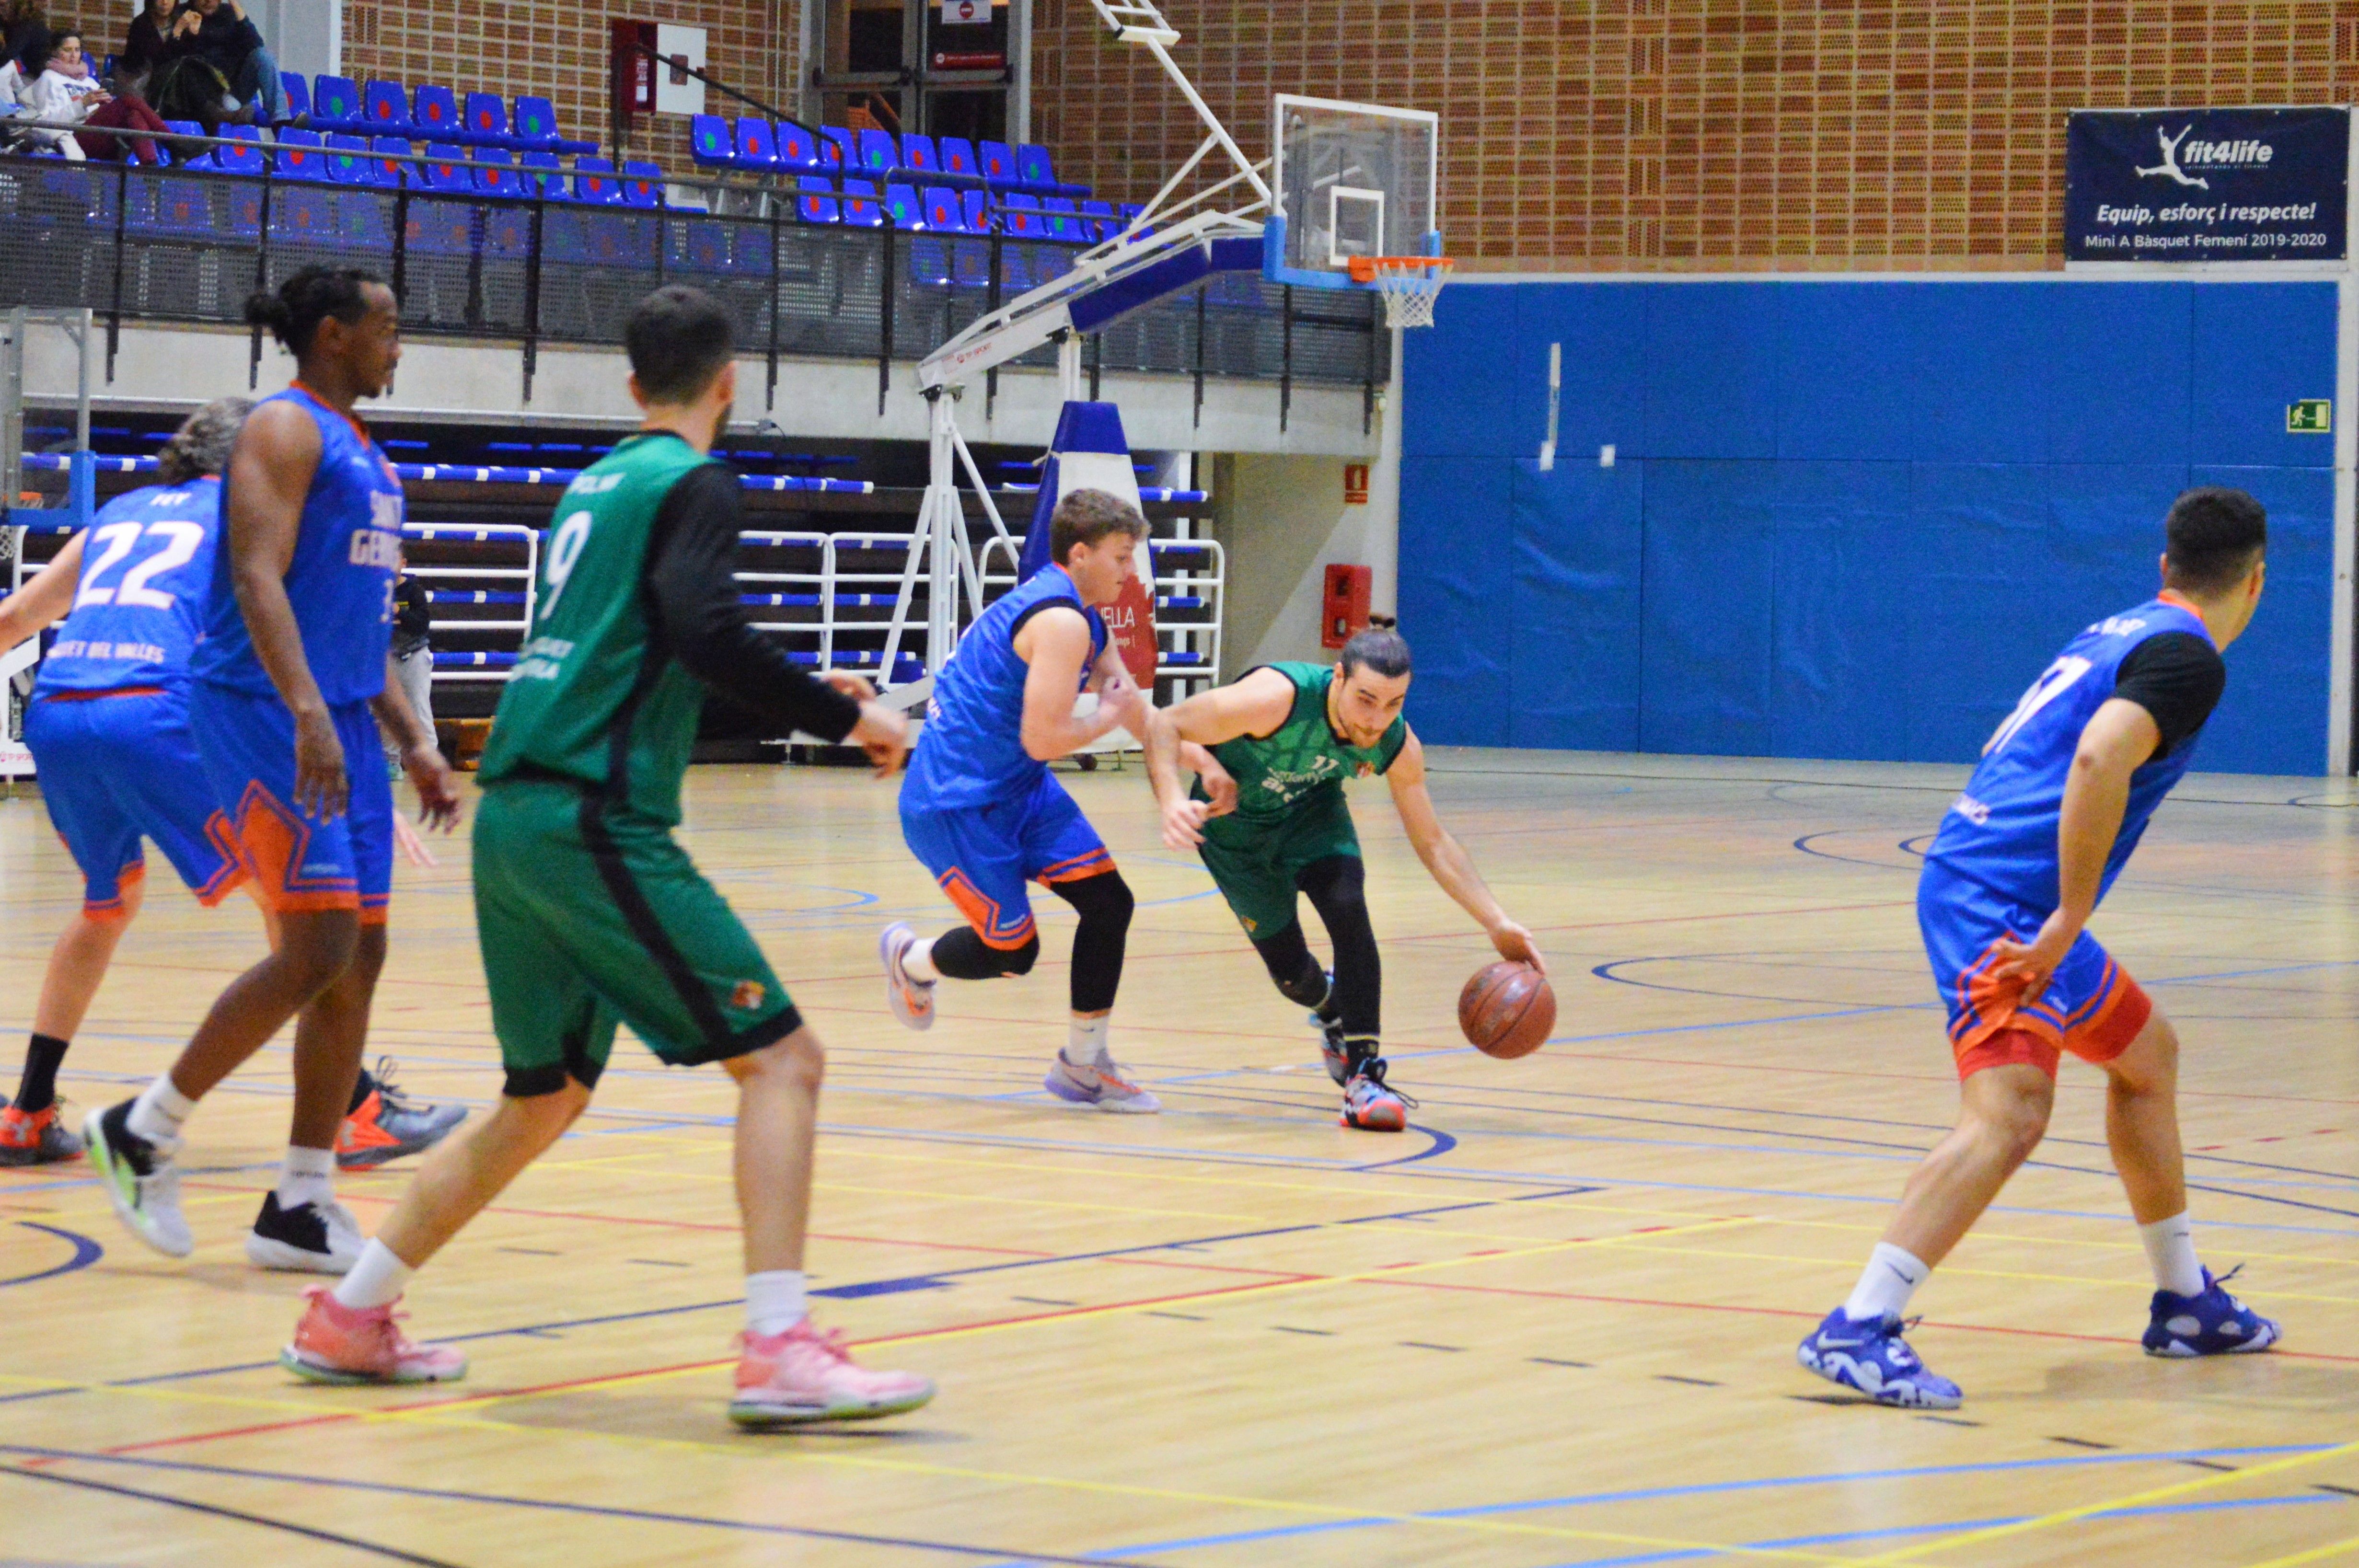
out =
column 589, row 914
column 1278, row 743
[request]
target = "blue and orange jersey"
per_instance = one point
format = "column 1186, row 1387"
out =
column 342, row 577
column 2001, row 832
column 972, row 750
column 139, row 607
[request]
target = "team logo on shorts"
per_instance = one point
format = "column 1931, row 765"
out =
column 1247, row 922
column 749, row 995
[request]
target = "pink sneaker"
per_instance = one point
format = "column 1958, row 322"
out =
column 337, row 1344
column 803, row 1374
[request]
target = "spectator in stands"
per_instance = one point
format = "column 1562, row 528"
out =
column 144, row 45
column 25, row 35
column 216, row 68
column 413, row 655
column 64, row 94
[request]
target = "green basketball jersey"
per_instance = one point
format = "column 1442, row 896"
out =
column 584, row 701
column 1304, row 756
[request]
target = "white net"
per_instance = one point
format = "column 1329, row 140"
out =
column 1409, row 286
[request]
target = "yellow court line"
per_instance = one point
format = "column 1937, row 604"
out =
column 2135, row 1499
column 2315, row 1554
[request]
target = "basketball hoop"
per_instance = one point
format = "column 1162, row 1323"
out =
column 1409, row 284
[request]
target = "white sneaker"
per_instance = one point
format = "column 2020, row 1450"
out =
column 913, row 1000
column 140, row 1181
column 314, row 1238
column 1102, row 1084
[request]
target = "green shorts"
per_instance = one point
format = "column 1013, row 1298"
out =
column 590, row 918
column 1254, row 862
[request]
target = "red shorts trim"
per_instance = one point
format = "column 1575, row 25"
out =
column 983, row 913
column 271, row 842
column 113, row 909
column 1097, row 863
column 2097, row 1033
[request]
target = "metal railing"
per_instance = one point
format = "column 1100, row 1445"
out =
column 149, row 244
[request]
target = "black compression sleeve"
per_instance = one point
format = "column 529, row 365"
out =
column 2177, row 677
column 699, row 616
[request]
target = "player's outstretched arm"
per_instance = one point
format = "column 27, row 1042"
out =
column 2117, row 740
column 1447, row 859
column 270, row 475
column 1055, row 644
column 43, row 601
column 1180, row 735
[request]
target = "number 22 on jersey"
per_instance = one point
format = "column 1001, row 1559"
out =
column 179, row 541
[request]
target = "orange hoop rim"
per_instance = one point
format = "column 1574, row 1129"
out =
column 1368, row 268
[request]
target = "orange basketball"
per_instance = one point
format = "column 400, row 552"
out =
column 1506, row 1010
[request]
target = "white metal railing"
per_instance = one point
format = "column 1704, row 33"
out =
column 1195, row 579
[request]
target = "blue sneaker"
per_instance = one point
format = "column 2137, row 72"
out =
column 2213, row 1323
column 1875, row 1359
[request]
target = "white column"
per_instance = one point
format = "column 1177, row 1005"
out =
column 2346, row 477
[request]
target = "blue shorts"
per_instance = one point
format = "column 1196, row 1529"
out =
column 2092, row 1007
column 301, row 863
column 983, row 855
column 117, row 768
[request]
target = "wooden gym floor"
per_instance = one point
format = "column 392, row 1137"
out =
column 1551, row 1325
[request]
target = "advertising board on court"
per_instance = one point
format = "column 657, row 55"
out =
column 2206, row 184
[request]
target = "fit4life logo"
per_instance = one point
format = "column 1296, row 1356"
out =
column 2190, row 163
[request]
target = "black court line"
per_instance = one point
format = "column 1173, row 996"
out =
column 1552, row 1361
column 1675, row 1378
column 1289, row 1328
column 240, row 1515
column 2209, row 1464
column 436, row 1494
column 1180, row 1317
column 1953, row 1421
column 2079, row 1443
column 2329, row 1487
column 1421, row 1344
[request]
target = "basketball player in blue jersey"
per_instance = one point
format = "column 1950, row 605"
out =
column 981, row 809
column 292, row 662
column 109, row 727
column 2064, row 791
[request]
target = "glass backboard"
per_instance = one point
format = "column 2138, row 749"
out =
column 1349, row 180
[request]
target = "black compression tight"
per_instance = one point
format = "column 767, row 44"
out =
column 1337, row 888
column 1103, row 902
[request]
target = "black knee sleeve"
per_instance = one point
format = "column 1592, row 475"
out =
column 1337, row 888
column 1104, row 903
column 1298, row 976
column 961, row 954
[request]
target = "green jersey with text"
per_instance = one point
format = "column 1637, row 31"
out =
column 1278, row 774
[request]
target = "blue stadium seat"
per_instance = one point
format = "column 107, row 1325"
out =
column 643, row 184
column 758, row 151
column 903, row 207
column 919, row 155
column 435, row 112
column 301, row 155
column 978, row 210
column 365, row 223
column 446, row 168
column 1019, row 218
column 1101, row 216
column 1034, row 169
column 348, row 161
column 943, row 212
column 441, row 228
column 306, row 214
column 878, row 156
column 958, row 158
column 749, row 250
column 859, row 208
column 495, row 173
column 1064, row 220
column 708, row 142
column 996, row 164
column 487, row 121
column 385, row 106
column 798, row 149
column 545, row 177
column 336, row 104
column 595, row 182
column 535, row 127
column 703, row 248
column 836, row 147
column 389, row 175
column 507, row 227
column 816, row 199
column 298, row 94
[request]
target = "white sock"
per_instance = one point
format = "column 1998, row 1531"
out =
column 158, row 1113
column 377, row 1280
column 918, row 963
column 775, row 1300
column 304, row 1177
column 2170, row 1247
column 1085, row 1041
column 1884, row 1286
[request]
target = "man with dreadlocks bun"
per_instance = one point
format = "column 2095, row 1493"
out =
column 292, row 661
column 1278, row 743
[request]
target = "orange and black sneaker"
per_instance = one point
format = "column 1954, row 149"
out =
column 35, row 1138
column 388, row 1124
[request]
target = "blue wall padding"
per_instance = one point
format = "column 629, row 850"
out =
column 1452, row 509
column 1849, row 520
column 1573, row 663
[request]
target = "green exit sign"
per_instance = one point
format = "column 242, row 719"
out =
column 2310, row 417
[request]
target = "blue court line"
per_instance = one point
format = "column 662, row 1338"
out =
column 592, row 1510
column 86, row 1252
column 1712, row 1488
column 1442, row 1144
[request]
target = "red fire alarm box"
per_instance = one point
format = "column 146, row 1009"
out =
column 1345, row 604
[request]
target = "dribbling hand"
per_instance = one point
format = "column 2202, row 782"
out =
column 320, row 785
column 1514, row 944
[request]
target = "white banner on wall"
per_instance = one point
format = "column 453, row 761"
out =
column 677, row 92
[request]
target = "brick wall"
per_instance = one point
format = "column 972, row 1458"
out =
column 1702, row 135
column 559, row 50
